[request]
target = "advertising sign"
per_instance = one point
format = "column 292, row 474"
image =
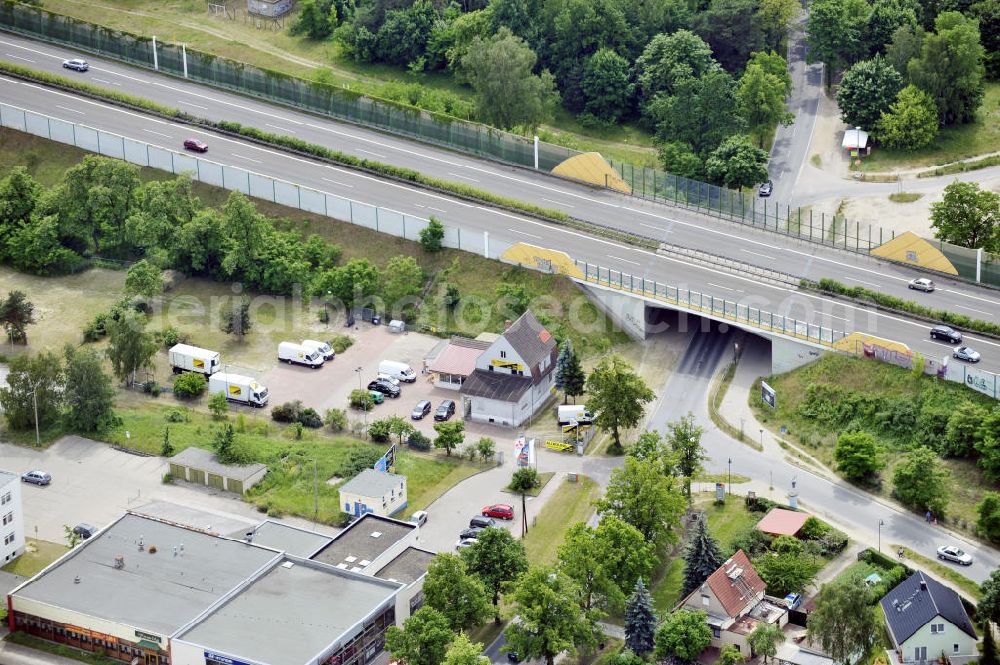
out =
column 524, row 451
column 387, row 461
column 768, row 395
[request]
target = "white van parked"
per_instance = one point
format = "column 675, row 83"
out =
column 574, row 414
column 291, row 352
column 397, row 370
column 324, row 348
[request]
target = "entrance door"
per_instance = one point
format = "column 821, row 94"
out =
column 920, row 654
column 152, row 658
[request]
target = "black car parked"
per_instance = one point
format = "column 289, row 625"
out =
column 482, row 522
column 384, row 387
column 946, row 334
column 445, row 410
column 471, row 532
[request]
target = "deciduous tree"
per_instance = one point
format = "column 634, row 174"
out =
column 423, row 639
column 641, row 495
column 130, row 347
column 867, row 90
column 684, row 438
column 683, row 636
column 16, row 314
column 845, row 621
column 885, row 18
column 450, row 435
column 523, row 481
column 835, row 33
column 775, row 18
column 911, row 122
column 88, row 396
column 764, row 640
column 18, row 194
column 32, row 381
column 785, row 573
column 617, row 397
column 607, row 85
column 701, row 113
column 549, row 619
column 950, row 68
column 497, row 558
column 143, row 279
column 737, row 163
column 732, row 29
column 967, row 216
column 761, row 97
column 921, row 482
column 858, row 455
column 452, row 591
column 317, row 19
column 988, row 524
column 668, row 58
column 235, row 318
column 464, row 651
column 432, row 235
column 402, row 279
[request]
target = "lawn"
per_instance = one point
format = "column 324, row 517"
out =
column 569, row 504
column 37, row 555
column 952, row 144
column 871, row 376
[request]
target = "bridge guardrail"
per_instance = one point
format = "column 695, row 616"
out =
column 716, row 261
column 707, row 304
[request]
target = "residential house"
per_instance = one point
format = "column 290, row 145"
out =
column 374, row 491
column 733, row 599
column 11, row 518
column 457, row 361
column 927, row 622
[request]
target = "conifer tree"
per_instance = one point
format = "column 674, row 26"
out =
column 640, row 620
column 701, row 558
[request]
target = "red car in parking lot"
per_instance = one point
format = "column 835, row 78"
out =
column 502, row 510
column 196, row 145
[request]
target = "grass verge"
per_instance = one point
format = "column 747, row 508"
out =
column 962, row 167
column 569, row 504
column 37, row 554
column 543, row 480
column 905, row 197
column 22, row 638
column 944, row 571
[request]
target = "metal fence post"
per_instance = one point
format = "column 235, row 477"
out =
column 184, row 59
column 156, row 62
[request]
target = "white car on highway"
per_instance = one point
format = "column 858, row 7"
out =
column 954, row 554
column 921, row 284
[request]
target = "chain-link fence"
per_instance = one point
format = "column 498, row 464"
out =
column 377, row 218
column 312, row 96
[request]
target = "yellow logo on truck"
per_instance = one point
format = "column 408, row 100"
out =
column 198, row 364
column 235, row 391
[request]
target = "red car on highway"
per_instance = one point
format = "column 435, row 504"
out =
column 502, row 510
column 196, row 145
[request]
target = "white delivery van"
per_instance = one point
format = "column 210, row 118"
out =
column 397, row 370
column 324, row 348
column 291, row 352
column 238, row 388
column 186, row 358
column 574, row 414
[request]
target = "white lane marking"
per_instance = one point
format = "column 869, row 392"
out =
column 650, row 226
column 66, row 108
column 978, row 311
column 524, row 233
column 558, row 203
column 337, row 182
column 618, row 258
column 969, row 295
column 106, row 81
column 720, row 286
column 771, row 258
column 284, row 129
column 249, row 159
column 861, row 281
column 463, row 177
column 197, row 106
column 369, row 152
column 166, row 136
column 834, row 316
column 11, row 55
column 703, row 228
column 437, row 209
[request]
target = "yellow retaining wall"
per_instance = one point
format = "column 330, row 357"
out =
column 532, row 255
column 591, row 167
column 911, row 248
column 850, row 343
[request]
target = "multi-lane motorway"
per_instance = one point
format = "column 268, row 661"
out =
column 669, row 224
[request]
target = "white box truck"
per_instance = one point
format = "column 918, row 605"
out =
column 574, row 414
column 238, row 388
column 397, row 370
column 291, row 352
column 323, row 347
column 186, row 358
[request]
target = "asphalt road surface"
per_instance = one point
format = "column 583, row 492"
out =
column 656, row 220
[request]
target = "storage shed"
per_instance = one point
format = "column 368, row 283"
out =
column 372, row 491
column 203, row 468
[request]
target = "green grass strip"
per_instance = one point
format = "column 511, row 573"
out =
column 961, row 167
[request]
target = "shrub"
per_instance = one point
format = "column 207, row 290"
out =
column 813, row 528
column 988, row 524
column 335, row 419
column 170, row 336
column 751, row 540
column 432, row 236
column 189, row 385
column 832, row 543
column 341, row 343
column 310, row 418
column 418, row 441
column 296, row 430
column 786, row 544
column 380, row 430
column 287, row 412
column 168, row 479
column 361, row 400
column 359, row 459
column 218, row 405
column 176, row 416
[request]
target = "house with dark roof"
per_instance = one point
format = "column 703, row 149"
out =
column 733, row 600
column 514, row 376
column 927, row 622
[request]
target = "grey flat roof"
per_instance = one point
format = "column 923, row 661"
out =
column 6, row 477
column 290, row 614
column 206, row 461
column 408, row 567
column 157, row 592
column 357, row 545
column 291, row 539
column 370, row 482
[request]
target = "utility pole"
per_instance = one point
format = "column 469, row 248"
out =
column 315, row 494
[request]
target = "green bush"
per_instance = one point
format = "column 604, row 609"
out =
column 310, row 418
column 813, row 528
column 287, row 412
column 188, row 385
column 361, row 400
column 380, row 431
column 218, row 405
column 341, row 343
column 335, row 419
column 176, row 416
column 988, row 524
column 418, row 441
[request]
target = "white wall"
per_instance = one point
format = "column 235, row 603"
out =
column 393, row 503
column 787, row 355
column 938, row 642
column 11, row 510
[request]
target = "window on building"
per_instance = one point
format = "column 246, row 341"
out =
column 716, row 632
column 6, row 498
column 503, row 354
column 8, row 518
column 706, row 599
column 954, row 648
column 8, row 539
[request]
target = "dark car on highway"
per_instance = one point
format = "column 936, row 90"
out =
column 384, row 387
column 946, row 334
column 196, row 145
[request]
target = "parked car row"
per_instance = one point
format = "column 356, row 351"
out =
column 444, row 411
column 486, row 520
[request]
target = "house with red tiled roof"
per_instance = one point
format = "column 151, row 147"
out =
column 733, row 600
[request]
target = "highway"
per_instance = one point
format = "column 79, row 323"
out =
column 656, row 220
column 753, row 246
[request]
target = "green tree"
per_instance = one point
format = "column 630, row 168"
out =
column 218, row 404
column 72, row 537
column 198, row 247
column 88, row 396
column 361, row 400
column 987, row 444
column 988, row 607
column 464, row 651
column 669, row 58
column 785, row 573
column 950, row 68
column 737, row 163
column 246, row 232
column 684, row 438
column 701, row 113
column 988, row 524
column 496, row 559
column 845, row 621
column 452, row 591
column 988, row 14
column 400, row 428
column 560, row 377
column 574, row 381
column 639, row 494
column 835, row 33
column 904, row 47
column 683, row 636
column 859, row 456
column 161, row 209
column 166, row 448
column 989, row 654
column 402, row 279
column 911, row 122
column 617, row 397
column 130, row 347
column 450, row 435
column 921, row 482
column 235, row 318
column 962, row 433
column 678, row 158
column 732, row 29
column 18, row 194
column 96, row 198
column 640, row 620
column 550, row 620
column 36, row 247
column 317, row 19
column 143, row 279
column 764, row 640
column 189, row 385
column 486, row 448
column 227, row 448
column 335, row 419
column 32, row 381
column 867, row 91
column 523, row 481
column 432, row 235
column 729, row 655
column 16, row 314
column 349, row 283
column 967, row 216
column 774, row 64
column 423, row 639
column 701, row 557
column 607, row 85
column 774, row 18
column 885, row 18
column 508, row 94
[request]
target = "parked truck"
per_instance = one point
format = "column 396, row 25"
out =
column 187, row 358
column 238, row 388
column 323, row 347
column 290, row 352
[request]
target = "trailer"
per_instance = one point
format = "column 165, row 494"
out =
column 187, row 358
column 238, row 388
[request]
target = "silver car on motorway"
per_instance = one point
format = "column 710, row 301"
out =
column 921, row 284
column 954, row 554
column 968, row 354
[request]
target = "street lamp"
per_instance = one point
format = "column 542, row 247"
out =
column 358, row 371
column 762, row 437
column 34, row 400
column 881, row 523
column 730, row 475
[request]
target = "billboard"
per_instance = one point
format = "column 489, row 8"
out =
column 524, row 451
column 387, row 461
column 768, row 395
